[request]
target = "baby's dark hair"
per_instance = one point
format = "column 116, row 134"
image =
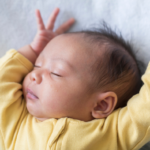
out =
column 118, row 70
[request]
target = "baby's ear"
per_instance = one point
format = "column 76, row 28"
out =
column 104, row 105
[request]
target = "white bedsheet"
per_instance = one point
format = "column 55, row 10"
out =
column 131, row 17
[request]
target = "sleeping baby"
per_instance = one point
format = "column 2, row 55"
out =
column 73, row 91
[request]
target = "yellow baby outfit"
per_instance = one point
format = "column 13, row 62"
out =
column 127, row 128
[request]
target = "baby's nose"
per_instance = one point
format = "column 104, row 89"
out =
column 36, row 76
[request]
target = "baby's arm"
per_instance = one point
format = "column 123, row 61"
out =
column 13, row 68
column 133, row 123
column 44, row 35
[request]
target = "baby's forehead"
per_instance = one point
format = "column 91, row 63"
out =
column 71, row 47
column 72, row 42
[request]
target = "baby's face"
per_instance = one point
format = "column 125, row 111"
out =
column 60, row 80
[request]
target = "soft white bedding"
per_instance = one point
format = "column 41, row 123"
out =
column 131, row 17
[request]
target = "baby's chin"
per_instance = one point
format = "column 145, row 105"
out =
column 41, row 119
column 35, row 115
column 32, row 109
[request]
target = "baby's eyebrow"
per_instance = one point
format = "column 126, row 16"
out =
column 42, row 57
column 66, row 62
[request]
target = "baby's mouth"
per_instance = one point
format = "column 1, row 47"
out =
column 31, row 95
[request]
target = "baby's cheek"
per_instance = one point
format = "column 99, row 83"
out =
column 25, row 83
column 53, row 103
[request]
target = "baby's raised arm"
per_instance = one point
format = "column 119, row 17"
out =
column 44, row 35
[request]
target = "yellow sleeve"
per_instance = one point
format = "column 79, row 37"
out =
column 13, row 68
column 134, row 120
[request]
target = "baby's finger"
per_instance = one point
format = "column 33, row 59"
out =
column 51, row 21
column 64, row 27
column 39, row 19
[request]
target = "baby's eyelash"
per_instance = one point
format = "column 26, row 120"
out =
column 55, row 74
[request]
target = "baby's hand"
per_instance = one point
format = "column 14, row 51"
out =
column 44, row 35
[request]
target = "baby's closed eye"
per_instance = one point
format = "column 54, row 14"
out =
column 53, row 73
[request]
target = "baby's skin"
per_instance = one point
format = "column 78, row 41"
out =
column 58, row 86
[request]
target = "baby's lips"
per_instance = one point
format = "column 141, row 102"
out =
column 29, row 91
